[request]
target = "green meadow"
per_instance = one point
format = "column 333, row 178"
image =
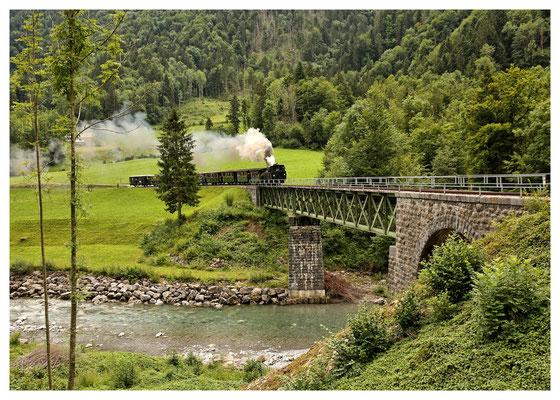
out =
column 109, row 233
column 114, row 220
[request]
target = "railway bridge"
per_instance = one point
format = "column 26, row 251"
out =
column 419, row 212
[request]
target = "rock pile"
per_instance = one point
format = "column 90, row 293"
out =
column 105, row 289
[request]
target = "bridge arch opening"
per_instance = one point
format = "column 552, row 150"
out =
column 436, row 239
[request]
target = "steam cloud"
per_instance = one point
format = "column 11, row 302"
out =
column 127, row 135
column 23, row 161
column 252, row 145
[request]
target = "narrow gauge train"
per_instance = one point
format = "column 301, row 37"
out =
column 275, row 172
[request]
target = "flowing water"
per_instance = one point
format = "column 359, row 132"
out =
column 156, row 330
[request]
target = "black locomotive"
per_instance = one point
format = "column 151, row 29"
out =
column 274, row 174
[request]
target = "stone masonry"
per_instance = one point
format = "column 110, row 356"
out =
column 306, row 278
column 425, row 219
column 255, row 194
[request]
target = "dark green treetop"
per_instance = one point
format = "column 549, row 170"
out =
column 178, row 182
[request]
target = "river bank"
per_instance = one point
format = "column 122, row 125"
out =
column 231, row 335
column 98, row 290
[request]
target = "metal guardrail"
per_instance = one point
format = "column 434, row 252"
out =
column 479, row 183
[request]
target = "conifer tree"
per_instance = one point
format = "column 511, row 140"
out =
column 177, row 179
column 234, row 116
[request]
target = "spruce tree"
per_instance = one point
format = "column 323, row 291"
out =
column 209, row 124
column 178, row 182
column 234, row 116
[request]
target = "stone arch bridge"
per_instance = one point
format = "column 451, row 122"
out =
column 419, row 212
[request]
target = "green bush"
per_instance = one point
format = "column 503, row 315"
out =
column 407, row 312
column 14, row 338
column 253, row 369
column 124, row 374
column 21, row 267
column 367, row 337
column 315, row 377
column 194, row 363
column 229, row 198
column 527, row 236
column 506, row 292
column 442, row 308
column 452, row 267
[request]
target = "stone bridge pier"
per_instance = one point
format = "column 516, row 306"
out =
column 305, row 278
column 424, row 220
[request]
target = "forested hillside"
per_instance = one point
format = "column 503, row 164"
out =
column 382, row 92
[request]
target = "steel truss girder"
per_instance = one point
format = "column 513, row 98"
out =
column 364, row 210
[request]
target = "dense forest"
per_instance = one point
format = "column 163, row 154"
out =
column 402, row 92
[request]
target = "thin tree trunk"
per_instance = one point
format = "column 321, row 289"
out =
column 44, row 263
column 73, row 239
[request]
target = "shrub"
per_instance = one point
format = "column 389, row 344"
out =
column 314, row 377
column 505, row 293
column 367, row 337
column 527, row 236
column 442, row 308
column 194, row 362
column 21, row 267
column 229, row 198
column 451, row 268
column 252, row 370
column 407, row 312
column 14, row 338
column 124, row 374
column 174, row 358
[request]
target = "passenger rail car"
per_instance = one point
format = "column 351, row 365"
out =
column 143, row 180
column 238, row 177
column 243, row 176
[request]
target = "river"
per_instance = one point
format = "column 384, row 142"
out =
column 237, row 332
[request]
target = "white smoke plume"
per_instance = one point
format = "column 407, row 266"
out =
column 23, row 161
column 252, row 145
column 114, row 139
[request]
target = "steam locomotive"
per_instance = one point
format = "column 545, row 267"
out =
column 254, row 176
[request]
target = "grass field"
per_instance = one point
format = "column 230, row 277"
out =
column 117, row 218
column 110, row 234
column 195, row 113
column 299, row 164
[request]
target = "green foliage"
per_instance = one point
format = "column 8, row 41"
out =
column 253, row 369
column 14, row 338
column 407, row 312
column 451, row 268
column 240, row 234
column 507, row 292
column 526, row 237
column 314, row 377
column 107, row 370
column 125, row 374
column 450, row 356
column 442, row 308
column 346, row 248
column 177, row 179
column 229, row 199
column 131, row 272
column 497, row 119
column 21, row 267
column 366, row 338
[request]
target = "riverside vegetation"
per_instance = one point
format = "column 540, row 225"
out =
column 489, row 329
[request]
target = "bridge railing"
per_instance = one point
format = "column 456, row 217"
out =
column 479, row 183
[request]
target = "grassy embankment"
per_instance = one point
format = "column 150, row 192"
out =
column 118, row 218
column 110, row 370
column 496, row 338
